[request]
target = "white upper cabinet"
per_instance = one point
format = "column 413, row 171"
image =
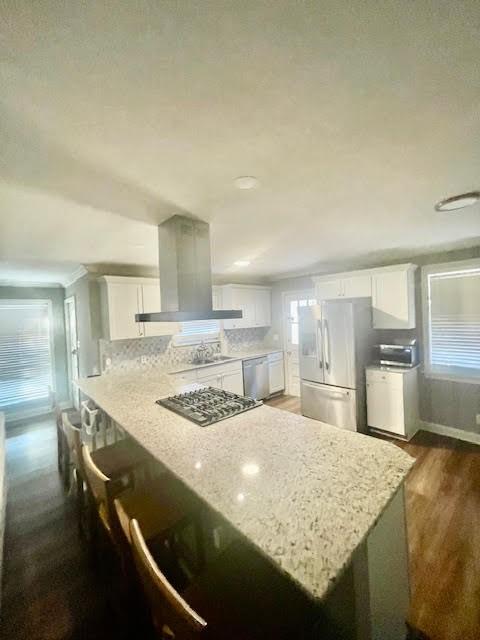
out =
column 151, row 302
column 254, row 301
column 120, row 303
column 350, row 286
column 263, row 307
column 357, row 286
column 122, row 298
column 393, row 298
column 392, row 290
column 329, row 289
column 216, row 298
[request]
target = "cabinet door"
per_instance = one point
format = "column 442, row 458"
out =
column 184, row 377
column 123, row 303
column 393, row 300
column 385, row 407
column 243, row 299
column 233, row 382
column 357, row 287
column 216, row 298
column 329, row 289
column 276, row 376
column 151, row 302
column 210, row 380
column 263, row 302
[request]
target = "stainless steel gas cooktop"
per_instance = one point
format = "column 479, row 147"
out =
column 209, row 405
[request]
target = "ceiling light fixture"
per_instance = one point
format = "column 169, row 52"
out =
column 241, row 263
column 246, row 182
column 458, row 202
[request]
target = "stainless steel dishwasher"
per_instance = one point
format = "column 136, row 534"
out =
column 255, row 378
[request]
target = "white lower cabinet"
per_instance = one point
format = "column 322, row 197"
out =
column 227, row 376
column 392, row 401
column 276, row 373
column 233, row 382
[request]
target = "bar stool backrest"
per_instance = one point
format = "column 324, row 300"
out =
column 97, row 481
column 173, row 617
column 73, row 436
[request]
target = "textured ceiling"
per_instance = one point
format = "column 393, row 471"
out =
column 355, row 116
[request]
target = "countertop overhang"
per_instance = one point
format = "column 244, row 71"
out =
column 304, row 493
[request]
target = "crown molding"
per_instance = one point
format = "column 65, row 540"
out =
column 44, row 285
column 74, row 276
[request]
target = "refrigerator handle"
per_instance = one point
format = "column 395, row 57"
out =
column 319, row 345
column 327, row 345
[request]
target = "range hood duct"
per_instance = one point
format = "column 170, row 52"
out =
column 185, row 274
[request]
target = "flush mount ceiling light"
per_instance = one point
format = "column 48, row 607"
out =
column 458, row 202
column 246, row 182
column 241, row 263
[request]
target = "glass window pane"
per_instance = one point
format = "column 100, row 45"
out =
column 294, row 310
column 294, row 333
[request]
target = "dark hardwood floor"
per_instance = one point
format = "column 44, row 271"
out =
column 443, row 520
column 50, row 591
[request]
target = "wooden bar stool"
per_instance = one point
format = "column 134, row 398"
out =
column 241, row 596
column 163, row 516
column 118, row 461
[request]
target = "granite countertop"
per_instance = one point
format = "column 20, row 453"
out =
column 304, row 493
column 384, row 367
column 233, row 356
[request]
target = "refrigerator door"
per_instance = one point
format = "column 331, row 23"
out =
column 339, row 344
column 310, row 353
column 332, row 405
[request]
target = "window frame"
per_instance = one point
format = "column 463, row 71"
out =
column 32, row 302
column 182, row 340
column 438, row 269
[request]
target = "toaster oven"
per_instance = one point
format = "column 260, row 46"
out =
column 396, row 355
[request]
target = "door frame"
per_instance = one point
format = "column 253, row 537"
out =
column 71, row 301
column 286, row 295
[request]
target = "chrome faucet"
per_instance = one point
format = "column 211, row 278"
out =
column 202, row 353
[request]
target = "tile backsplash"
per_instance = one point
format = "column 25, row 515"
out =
column 160, row 351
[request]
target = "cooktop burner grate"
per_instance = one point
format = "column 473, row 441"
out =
column 209, row 405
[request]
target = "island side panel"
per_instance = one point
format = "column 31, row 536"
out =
column 387, row 575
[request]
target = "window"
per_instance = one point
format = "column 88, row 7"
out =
column 452, row 320
column 25, row 352
column 294, row 304
column 196, row 331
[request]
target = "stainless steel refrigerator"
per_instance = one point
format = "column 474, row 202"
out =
column 335, row 343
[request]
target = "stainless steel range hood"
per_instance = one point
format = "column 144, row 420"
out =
column 185, row 274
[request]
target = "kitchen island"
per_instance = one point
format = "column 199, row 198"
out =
column 324, row 505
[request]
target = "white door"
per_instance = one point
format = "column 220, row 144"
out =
column 72, row 348
column 291, row 302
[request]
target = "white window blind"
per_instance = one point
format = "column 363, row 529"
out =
column 25, row 358
column 196, row 331
column 454, row 322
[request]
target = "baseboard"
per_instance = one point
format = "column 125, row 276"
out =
column 451, row 432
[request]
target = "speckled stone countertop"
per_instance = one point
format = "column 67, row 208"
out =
column 305, row 493
column 232, row 355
